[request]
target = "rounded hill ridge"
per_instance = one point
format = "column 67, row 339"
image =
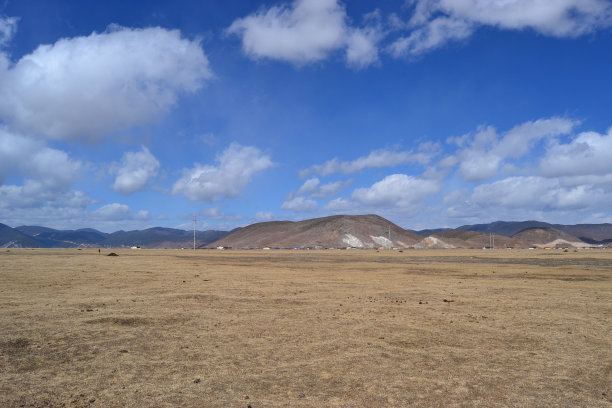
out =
column 336, row 231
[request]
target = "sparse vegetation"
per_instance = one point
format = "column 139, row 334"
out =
column 447, row 328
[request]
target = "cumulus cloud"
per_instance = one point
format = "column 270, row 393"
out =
column 51, row 168
column 114, row 211
column 31, row 204
column 376, row 159
column 564, row 200
column 33, row 193
column 436, row 22
column 481, row 154
column 534, row 192
column 300, row 204
column 134, row 171
column 398, row 196
column 84, row 87
column 589, row 153
column 235, row 168
column 304, row 32
column 15, row 151
column 65, row 210
column 397, row 190
column 308, row 31
column 142, row 215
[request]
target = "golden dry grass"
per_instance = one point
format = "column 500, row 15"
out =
column 450, row 328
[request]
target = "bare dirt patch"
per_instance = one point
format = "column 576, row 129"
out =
column 306, row 328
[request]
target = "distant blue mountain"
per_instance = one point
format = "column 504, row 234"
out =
column 590, row 233
column 42, row 237
column 12, row 238
column 158, row 237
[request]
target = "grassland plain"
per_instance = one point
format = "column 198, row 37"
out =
column 437, row 328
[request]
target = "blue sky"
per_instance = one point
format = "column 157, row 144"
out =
column 126, row 115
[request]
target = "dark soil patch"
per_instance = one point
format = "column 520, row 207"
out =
column 122, row 321
column 15, row 345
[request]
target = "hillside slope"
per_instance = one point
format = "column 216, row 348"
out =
column 337, row 231
column 544, row 235
column 11, row 238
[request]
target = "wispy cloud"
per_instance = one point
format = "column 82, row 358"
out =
column 435, row 23
column 376, row 159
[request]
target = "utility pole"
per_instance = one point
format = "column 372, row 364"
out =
column 195, row 220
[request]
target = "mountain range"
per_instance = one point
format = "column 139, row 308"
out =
column 157, row 237
column 338, row 231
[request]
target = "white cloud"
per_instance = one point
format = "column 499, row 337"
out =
column 300, row 204
column 304, row 32
column 15, row 151
column 482, row 153
column 307, row 31
column 8, row 27
column 436, row 22
column 142, row 215
column 66, row 211
column 590, row 153
column 341, row 204
column 533, row 197
column 561, row 18
column 533, row 192
column 362, row 43
column 262, row 216
column 215, row 213
column 362, row 48
column 330, row 189
column 134, row 171
column 111, row 212
column 84, row 87
column 313, row 188
column 434, row 34
column 235, row 169
column 34, row 193
column 309, row 186
column 397, row 190
column 51, row 168
column 376, row 159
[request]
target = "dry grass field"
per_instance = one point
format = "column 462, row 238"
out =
column 447, row 328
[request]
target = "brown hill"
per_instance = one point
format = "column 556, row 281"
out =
column 475, row 239
column 542, row 236
column 337, row 231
